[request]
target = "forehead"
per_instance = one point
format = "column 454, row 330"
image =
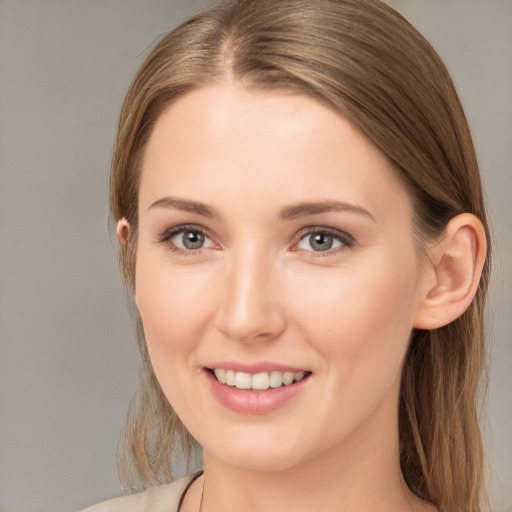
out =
column 224, row 141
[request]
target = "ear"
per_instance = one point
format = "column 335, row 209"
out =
column 123, row 230
column 453, row 272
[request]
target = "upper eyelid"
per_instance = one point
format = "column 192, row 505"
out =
column 345, row 237
column 170, row 232
column 303, row 231
column 324, row 229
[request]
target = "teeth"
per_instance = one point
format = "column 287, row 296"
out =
column 243, row 380
column 276, row 379
column 260, row 381
column 288, row 378
column 221, row 375
column 230, row 377
column 257, row 381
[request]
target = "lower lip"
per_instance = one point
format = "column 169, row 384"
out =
column 254, row 402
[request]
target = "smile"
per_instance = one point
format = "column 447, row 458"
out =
column 258, row 381
column 256, row 391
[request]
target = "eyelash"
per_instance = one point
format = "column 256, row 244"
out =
column 166, row 237
column 346, row 240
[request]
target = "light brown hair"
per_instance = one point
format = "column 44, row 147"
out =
column 365, row 61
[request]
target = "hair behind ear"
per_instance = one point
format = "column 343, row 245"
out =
column 441, row 389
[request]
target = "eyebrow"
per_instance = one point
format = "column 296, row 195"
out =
column 298, row 210
column 186, row 205
column 292, row 212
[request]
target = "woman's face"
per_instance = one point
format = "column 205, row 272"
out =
column 275, row 244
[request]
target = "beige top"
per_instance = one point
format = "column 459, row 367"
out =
column 165, row 498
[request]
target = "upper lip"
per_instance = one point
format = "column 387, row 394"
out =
column 253, row 368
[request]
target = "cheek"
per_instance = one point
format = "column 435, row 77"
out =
column 170, row 299
column 360, row 317
column 174, row 309
column 360, row 324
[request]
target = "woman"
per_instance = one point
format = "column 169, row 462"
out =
column 302, row 228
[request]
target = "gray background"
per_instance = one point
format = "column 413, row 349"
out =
column 67, row 353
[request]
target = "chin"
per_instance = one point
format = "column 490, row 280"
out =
column 258, row 453
column 262, row 462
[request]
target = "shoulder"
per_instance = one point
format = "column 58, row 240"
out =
column 164, row 498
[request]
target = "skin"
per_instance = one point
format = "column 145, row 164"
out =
column 258, row 291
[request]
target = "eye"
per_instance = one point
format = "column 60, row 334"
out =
column 187, row 239
column 324, row 240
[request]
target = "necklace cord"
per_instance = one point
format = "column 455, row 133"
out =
column 183, row 494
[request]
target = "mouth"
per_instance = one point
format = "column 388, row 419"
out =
column 261, row 381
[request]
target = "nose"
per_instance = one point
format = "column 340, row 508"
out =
column 250, row 306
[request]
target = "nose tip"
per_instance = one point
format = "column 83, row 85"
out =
column 251, row 326
column 250, row 308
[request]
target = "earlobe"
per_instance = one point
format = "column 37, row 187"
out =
column 123, row 230
column 456, row 262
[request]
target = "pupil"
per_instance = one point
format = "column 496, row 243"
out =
column 193, row 240
column 321, row 242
